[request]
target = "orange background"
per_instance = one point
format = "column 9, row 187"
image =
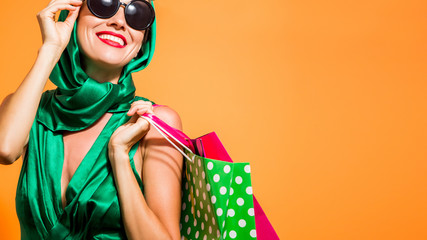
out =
column 325, row 99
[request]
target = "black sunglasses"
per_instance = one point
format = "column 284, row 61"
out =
column 139, row 14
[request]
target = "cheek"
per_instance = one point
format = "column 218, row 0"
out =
column 138, row 44
column 80, row 34
column 84, row 41
column 138, row 37
column 82, row 24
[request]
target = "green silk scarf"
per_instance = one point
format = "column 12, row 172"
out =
column 80, row 100
column 92, row 209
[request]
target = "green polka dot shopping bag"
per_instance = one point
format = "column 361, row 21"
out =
column 217, row 198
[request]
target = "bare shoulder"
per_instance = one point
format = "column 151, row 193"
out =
column 169, row 116
column 161, row 173
column 153, row 138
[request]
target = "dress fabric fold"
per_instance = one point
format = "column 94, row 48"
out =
column 92, row 210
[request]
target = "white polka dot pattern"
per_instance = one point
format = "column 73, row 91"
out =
column 217, row 200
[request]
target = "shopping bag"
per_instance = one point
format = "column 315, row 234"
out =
column 211, row 147
column 211, row 175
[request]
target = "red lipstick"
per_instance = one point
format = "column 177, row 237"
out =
column 112, row 43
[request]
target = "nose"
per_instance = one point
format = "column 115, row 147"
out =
column 118, row 20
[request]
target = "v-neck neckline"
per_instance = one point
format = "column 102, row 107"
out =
column 84, row 166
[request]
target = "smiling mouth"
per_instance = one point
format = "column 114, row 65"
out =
column 112, row 40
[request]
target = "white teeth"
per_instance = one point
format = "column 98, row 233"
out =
column 112, row 38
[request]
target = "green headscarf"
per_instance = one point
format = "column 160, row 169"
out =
column 80, row 100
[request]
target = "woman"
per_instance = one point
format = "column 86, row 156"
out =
column 93, row 169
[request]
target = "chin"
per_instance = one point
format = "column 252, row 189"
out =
column 111, row 59
column 108, row 59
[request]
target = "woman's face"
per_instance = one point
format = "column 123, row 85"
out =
column 107, row 42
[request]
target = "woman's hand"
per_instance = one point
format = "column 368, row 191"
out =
column 128, row 134
column 58, row 34
column 155, row 212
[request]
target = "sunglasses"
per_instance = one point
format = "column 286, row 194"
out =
column 139, row 14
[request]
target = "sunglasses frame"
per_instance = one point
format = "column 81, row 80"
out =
column 126, row 5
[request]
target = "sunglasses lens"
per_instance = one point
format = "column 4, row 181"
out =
column 139, row 15
column 103, row 8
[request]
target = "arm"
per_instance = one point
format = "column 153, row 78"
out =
column 156, row 214
column 18, row 109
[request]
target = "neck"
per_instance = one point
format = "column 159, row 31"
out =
column 101, row 73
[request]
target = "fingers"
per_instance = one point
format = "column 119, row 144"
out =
column 137, row 123
column 56, row 33
column 78, row 2
column 140, row 107
column 56, row 5
column 50, row 11
column 132, row 131
column 48, row 14
column 72, row 16
column 74, row 7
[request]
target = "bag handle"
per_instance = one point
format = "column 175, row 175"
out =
column 177, row 135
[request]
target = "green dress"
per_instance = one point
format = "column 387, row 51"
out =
column 92, row 210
